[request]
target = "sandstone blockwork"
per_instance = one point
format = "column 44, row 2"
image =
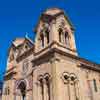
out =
column 50, row 68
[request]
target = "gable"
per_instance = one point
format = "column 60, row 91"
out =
column 18, row 47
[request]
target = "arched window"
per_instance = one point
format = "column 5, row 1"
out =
column 66, row 38
column 71, row 86
column 44, row 87
column 65, row 77
column 8, row 90
column 95, row 85
column 22, row 87
column 60, row 31
column 47, row 35
column 42, row 91
column 74, row 86
column 42, row 40
column 47, row 78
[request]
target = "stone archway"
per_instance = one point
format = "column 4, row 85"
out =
column 22, row 88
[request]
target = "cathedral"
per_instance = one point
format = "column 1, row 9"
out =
column 50, row 68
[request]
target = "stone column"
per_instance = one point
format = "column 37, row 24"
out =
column 54, row 85
column 72, row 91
column 12, row 89
column 90, row 95
column 45, row 39
column 76, row 86
column 5, row 97
column 54, row 33
column 40, row 94
column 45, row 88
column 68, row 90
column 18, row 95
column 35, row 90
column 72, row 40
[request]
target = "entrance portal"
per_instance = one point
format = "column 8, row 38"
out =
column 22, row 88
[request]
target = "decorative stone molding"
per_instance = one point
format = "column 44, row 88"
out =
column 65, row 77
column 69, row 78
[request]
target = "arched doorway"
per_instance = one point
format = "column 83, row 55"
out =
column 22, row 88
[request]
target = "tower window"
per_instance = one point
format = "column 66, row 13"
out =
column 47, row 35
column 42, row 39
column 95, row 85
column 60, row 34
column 66, row 37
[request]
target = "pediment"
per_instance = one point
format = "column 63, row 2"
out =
column 18, row 47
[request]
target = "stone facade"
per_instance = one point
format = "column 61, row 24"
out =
column 50, row 68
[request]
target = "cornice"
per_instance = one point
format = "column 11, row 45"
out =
column 94, row 68
column 50, row 52
column 50, row 46
column 9, row 75
column 10, row 69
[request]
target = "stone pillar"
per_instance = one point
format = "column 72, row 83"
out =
column 62, row 38
column 90, row 95
column 72, row 91
column 18, row 95
column 45, row 40
column 12, row 89
column 39, row 91
column 4, row 97
column 72, row 41
column 35, row 90
column 66, row 92
column 54, row 33
column 54, row 84
column 45, row 88
column 76, row 86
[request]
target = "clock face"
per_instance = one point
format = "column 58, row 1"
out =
column 25, row 67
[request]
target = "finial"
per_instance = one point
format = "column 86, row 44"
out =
column 26, row 35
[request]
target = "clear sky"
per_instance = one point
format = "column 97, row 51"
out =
column 20, row 16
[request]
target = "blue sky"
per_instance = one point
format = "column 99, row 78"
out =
column 20, row 16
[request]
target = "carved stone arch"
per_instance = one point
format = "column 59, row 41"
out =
column 66, row 29
column 47, row 86
column 74, row 84
column 42, row 39
column 40, row 77
column 25, row 81
column 61, row 34
column 47, row 76
column 73, row 77
column 19, row 82
column 65, row 77
column 40, row 87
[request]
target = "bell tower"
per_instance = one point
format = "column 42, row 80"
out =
column 55, row 27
